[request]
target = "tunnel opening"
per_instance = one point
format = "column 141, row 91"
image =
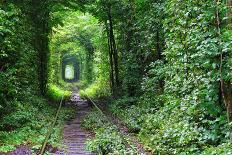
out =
column 70, row 69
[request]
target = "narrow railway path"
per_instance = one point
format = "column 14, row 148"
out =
column 74, row 136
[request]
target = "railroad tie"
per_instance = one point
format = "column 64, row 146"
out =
column 74, row 137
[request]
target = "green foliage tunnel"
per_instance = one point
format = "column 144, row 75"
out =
column 164, row 67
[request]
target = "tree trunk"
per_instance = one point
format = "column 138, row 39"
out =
column 110, row 57
column 228, row 98
column 40, row 18
column 229, row 11
column 226, row 88
column 113, row 47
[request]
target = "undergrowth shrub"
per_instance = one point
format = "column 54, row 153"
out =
column 222, row 149
column 129, row 116
column 109, row 141
column 96, row 90
column 174, row 129
column 131, row 109
column 29, row 124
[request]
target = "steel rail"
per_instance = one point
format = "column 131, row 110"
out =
column 51, row 128
column 108, row 119
column 96, row 106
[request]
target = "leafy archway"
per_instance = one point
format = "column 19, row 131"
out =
column 79, row 41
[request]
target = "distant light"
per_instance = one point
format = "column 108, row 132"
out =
column 69, row 72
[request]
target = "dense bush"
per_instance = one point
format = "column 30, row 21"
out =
column 96, row 90
column 16, row 54
column 55, row 93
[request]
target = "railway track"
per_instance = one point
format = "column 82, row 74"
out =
column 74, row 136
